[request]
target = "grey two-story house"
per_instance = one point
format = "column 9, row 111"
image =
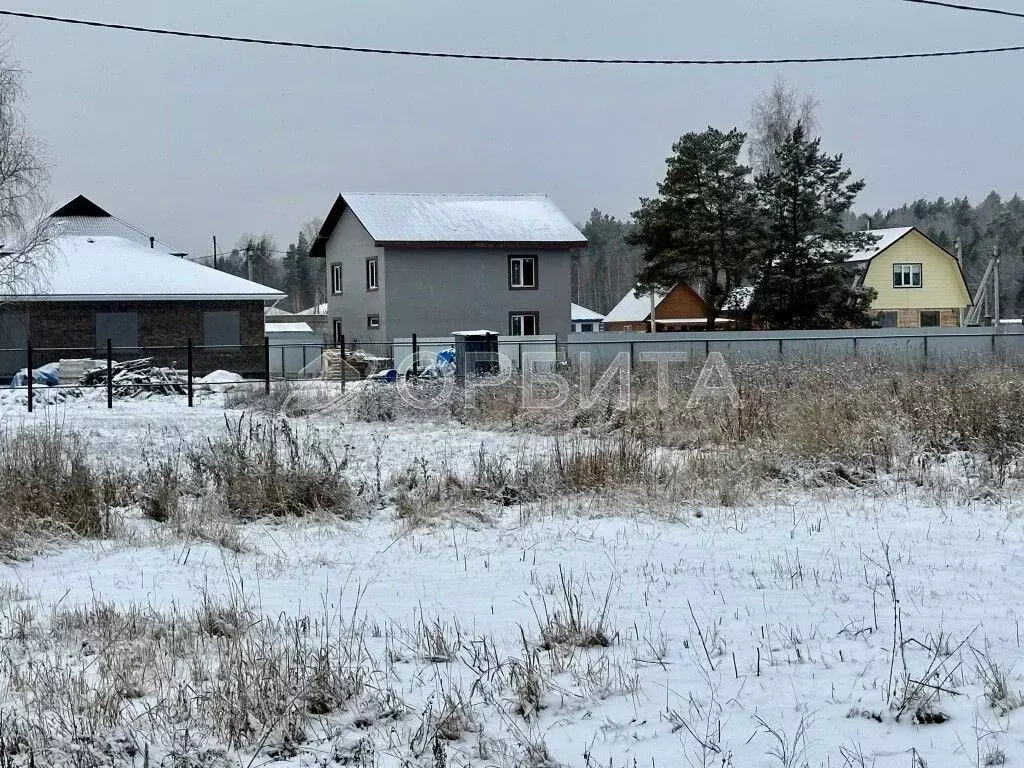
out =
column 431, row 264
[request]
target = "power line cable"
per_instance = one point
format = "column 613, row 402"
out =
column 507, row 58
column 974, row 8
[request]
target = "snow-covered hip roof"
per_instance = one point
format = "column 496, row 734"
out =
column 108, row 268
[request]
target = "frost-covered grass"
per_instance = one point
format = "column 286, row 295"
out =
column 417, row 592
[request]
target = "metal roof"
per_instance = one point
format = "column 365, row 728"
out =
column 580, row 313
column 81, row 217
column 886, row 238
column 455, row 220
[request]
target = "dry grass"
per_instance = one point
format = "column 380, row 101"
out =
column 51, row 487
column 269, row 468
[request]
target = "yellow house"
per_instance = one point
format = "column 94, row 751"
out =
column 919, row 284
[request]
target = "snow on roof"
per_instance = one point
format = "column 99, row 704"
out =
column 582, row 314
column 319, row 309
column 288, row 328
column 272, row 311
column 739, row 298
column 456, row 218
column 887, row 237
column 89, row 268
column 633, row 307
column 475, row 333
column 91, row 226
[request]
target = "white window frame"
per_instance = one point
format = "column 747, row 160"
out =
column 517, row 282
column 906, row 274
column 336, row 279
column 372, row 276
column 373, row 322
column 522, row 318
column 339, row 330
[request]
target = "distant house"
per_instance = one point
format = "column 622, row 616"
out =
column 430, row 264
column 314, row 317
column 585, row 320
column 919, row 284
column 681, row 309
column 101, row 278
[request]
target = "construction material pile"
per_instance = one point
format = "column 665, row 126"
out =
column 138, row 378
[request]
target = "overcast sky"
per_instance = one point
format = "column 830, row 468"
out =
column 188, row 139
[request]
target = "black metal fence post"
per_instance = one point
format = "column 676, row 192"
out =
column 266, row 364
column 415, row 356
column 344, row 373
column 188, row 375
column 28, row 369
column 110, row 374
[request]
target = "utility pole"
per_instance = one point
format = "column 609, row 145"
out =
column 214, row 251
column 995, row 285
column 248, row 259
column 654, row 306
column 960, row 265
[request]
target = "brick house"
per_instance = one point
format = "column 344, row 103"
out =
column 102, row 278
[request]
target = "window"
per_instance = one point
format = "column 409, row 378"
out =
column 338, row 332
column 906, row 275
column 371, row 275
column 122, row 328
column 887, row 320
column 586, row 328
column 373, row 321
column 221, row 329
column 522, row 272
column 930, row 319
column 523, row 324
column 335, row 279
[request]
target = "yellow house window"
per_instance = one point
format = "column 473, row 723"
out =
column 930, row 319
column 906, row 275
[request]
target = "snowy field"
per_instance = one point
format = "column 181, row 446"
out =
column 877, row 626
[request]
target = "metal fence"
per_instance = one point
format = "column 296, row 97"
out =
column 905, row 345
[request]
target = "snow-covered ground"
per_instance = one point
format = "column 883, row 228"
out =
column 785, row 633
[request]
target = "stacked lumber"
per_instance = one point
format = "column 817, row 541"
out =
column 334, row 366
column 138, row 378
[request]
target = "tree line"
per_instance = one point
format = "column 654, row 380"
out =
column 290, row 270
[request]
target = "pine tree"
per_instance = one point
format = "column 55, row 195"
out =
column 700, row 228
column 804, row 244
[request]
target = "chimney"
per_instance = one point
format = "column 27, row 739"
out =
column 152, row 241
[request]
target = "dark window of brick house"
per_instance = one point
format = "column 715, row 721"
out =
column 930, row 319
column 222, row 329
column 122, row 328
column 888, row 319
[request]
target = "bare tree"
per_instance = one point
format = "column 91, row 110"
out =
column 773, row 117
column 25, row 233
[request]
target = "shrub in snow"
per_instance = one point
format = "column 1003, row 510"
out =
column 48, row 484
column 266, row 468
column 376, row 402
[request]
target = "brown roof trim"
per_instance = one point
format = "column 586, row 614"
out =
column 318, row 248
column 544, row 245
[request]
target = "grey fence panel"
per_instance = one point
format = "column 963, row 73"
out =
column 900, row 344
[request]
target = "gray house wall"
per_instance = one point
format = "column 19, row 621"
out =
column 351, row 245
column 432, row 292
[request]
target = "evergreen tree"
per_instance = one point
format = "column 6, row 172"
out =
column 700, row 228
column 803, row 243
column 607, row 268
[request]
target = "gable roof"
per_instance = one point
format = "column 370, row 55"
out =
column 82, row 217
column 107, row 268
column 412, row 220
column 633, row 307
column 886, row 239
column 581, row 314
